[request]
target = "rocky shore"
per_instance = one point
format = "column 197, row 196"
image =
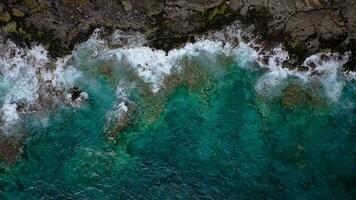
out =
column 303, row 26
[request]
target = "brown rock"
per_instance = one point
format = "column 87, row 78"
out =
column 5, row 17
column 169, row 23
column 295, row 96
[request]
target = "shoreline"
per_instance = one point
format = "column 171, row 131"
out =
column 303, row 27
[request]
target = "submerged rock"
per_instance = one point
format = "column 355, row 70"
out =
column 296, row 97
column 11, row 147
column 118, row 120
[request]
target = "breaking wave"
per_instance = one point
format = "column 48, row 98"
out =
column 29, row 75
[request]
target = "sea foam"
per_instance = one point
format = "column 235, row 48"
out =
column 23, row 72
column 153, row 66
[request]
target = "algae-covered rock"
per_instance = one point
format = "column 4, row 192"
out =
column 11, row 148
column 17, row 13
column 5, row 17
column 127, row 5
column 10, row 27
column 30, row 3
column 221, row 10
column 295, row 97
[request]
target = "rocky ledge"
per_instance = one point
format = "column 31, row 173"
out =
column 304, row 26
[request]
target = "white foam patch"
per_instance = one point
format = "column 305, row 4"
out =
column 121, row 109
column 326, row 66
column 350, row 75
column 65, row 75
column 22, row 72
column 154, row 65
column 10, row 115
column 272, row 83
column 329, row 72
column 245, row 56
column 95, row 46
column 129, row 40
column 18, row 68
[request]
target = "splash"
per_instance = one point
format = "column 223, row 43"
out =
column 118, row 116
column 29, row 75
column 153, row 66
column 327, row 67
column 27, row 78
column 132, row 122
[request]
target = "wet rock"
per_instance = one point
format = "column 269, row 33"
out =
column 303, row 68
column 49, row 97
column 264, row 59
column 120, row 119
column 75, row 93
column 311, row 65
column 324, row 57
column 350, row 65
column 75, row 96
column 20, row 107
column 307, row 26
column 288, row 65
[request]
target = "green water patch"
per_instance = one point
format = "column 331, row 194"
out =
column 207, row 135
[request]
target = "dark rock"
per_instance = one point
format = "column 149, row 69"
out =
column 75, row 93
column 351, row 65
column 75, row 96
column 324, row 57
column 304, row 26
column 311, row 65
column 21, row 106
column 288, row 65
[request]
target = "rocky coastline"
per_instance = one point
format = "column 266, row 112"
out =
column 303, row 26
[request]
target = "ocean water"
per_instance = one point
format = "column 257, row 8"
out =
column 201, row 122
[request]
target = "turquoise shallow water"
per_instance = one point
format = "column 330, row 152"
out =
column 210, row 136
